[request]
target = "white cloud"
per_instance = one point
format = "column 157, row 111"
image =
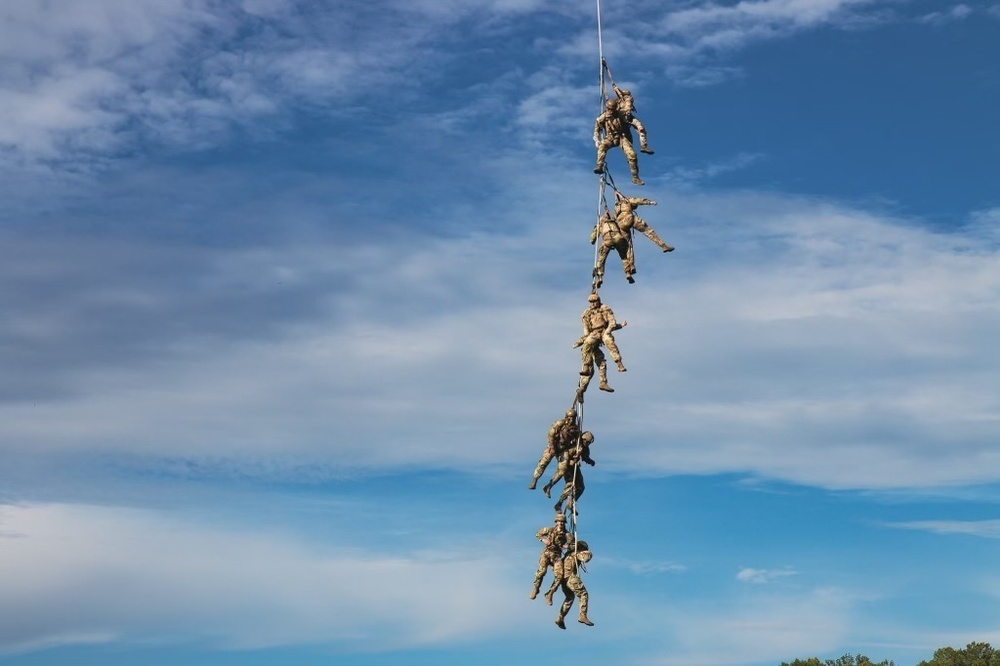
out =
column 758, row 576
column 955, row 13
column 796, row 340
column 982, row 528
column 759, row 629
column 79, row 574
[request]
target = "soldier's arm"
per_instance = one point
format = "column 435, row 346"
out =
column 586, row 457
column 641, row 201
column 609, row 316
column 597, row 128
column 593, row 234
column 553, row 432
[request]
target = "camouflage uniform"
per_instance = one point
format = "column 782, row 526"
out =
column 556, row 539
column 563, row 433
column 612, row 237
column 572, row 586
column 615, row 124
column 572, row 475
column 627, row 220
column 626, row 105
column 598, row 326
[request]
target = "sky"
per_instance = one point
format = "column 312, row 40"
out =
column 290, row 287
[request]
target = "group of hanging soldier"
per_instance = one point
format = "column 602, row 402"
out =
column 566, row 442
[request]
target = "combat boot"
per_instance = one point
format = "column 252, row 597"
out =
column 647, row 150
column 631, row 280
column 560, row 623
column 604, row 387
column 583, row 619
column 534, row 593
column 621, row 366
column 531, row 486
column 667, row 248
column 548, row 597
column 579, row 395
column 547, row 489
column 636, row 180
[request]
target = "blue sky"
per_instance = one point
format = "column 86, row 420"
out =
column 290, row 289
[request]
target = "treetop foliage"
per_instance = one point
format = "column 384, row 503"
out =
column 973, row 654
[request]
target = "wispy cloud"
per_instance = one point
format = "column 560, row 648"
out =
column 955, row 13
column 761, row 629
column 989, row 529
column 857, row 351
column 236, row 589
column 760, row 576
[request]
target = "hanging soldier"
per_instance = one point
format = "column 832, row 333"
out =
column 572, row 474
column 598, row 327
column 614, row 128
column 573, row 586
column 562, row 433
column 612, row 237
column 555, row 540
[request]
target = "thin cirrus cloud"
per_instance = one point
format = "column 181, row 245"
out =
column 989, row 529
column 809, row 342
column 233, row 588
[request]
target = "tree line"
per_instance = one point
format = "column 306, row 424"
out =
column 973, row 654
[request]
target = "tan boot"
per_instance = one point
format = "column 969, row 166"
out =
column 560, row 623
column 621, row 367
column 583, row 619
column 604, row 387
column 534, row 593
column 548, row 597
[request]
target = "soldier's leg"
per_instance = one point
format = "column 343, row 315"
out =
column 609, row 342
column 602, row 258
column 643, row 142
column 623, row 254
column 542, row 464
column 651, row 234
column 582, row 387
column 557, row 572
column 568, row 601
column 543, row 564
column 589, row 351
column 602, row 370
column 630, row 259
column 633, row 161
column 578, row 588
column 602, row 151
column 560, row 471
column 566, row 492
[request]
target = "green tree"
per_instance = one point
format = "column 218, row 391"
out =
column 847, row 660
column 973, row 654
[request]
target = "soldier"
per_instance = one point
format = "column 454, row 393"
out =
column 572, row 586
column 598, row 326
column 627, row 219
column 563, row 432
column 583, row 442
column 626, row 104
column 571, row 473
column 556, row 539
column 615, row 125
column 612, row 237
